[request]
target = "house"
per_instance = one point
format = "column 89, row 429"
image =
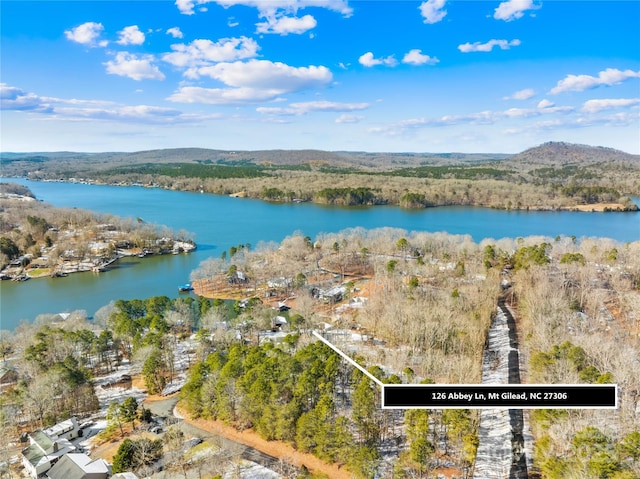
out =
column 283, row 307
column 238, row 277
column 332, row 295
column 124, row 475
column 8, row 375
column 43, row 452
column 79, row 466
column 279, row 283
column 277, row 323
column 99, row 247
column 68, row 429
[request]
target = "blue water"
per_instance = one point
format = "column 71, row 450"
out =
column 219, row 222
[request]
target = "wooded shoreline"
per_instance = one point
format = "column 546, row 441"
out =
column 553, row 176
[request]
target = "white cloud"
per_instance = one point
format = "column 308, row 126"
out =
column 255, row 80
column 13, row 98
column 130, row 36
column 303, row 108
column 278, row 111
column 221, row 96
column 545, row 104
column 283, row 25
column 593, row 106
column 368, row 60
column 185, row 6
column 415, row 57
column 488, row 46
column 144, row 113
column 329, row 106
column 175, row 32
column 513, row 9
column 608, row 77
column 202, row 52
column 486, row 117
column 135, row 67
column 87, row 34
column 77, row 102
column 268, row 75
column 521, row 94
column 346, row 118
column 433, row 10
column 341, row 6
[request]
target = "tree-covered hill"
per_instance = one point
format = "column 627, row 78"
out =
column 554, row 175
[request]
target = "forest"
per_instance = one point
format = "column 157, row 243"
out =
column 416, row 308
column 547, row 177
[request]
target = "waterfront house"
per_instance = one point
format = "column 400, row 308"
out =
column 238, row 277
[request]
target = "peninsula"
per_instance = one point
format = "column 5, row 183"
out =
column 39, row 240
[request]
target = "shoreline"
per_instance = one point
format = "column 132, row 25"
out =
column 578, row 208
column 80, row 266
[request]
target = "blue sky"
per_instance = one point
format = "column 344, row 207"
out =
column 395, row 76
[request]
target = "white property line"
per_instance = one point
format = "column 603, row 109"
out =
column 364, row 371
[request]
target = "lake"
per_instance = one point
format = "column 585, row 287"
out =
column 219, row 222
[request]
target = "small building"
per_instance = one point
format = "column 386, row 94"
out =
column 99, row 247
column 279, row 283
column 332, row 295
column 238, row 277
column 8, row 375
column 282, row 307
column 277, row 323
column 79, row 466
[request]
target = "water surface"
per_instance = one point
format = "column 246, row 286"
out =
column 219, row 222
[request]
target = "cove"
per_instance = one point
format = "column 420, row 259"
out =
column 219, row 222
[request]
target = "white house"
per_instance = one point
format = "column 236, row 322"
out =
column 68, row 429
column 43, row 452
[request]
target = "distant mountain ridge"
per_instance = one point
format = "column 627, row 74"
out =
column 567, row 154
column 558, row 153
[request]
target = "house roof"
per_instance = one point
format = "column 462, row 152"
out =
column 42, row 449
column 5, row 370
column 62, row 427
column 8, row 374
column 124, row 475
column 34, row 455
column 42, row 439
column 78, row 466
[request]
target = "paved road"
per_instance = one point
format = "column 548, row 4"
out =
column 165, row 408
